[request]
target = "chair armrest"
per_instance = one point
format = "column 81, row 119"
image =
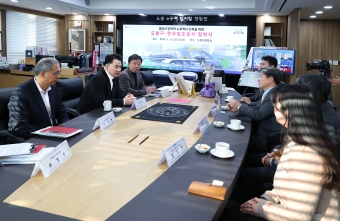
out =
column 72, row 113
column 7, row 137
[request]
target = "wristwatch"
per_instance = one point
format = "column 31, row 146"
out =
column 239, row 107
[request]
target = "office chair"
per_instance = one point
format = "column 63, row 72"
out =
column 161, row 78
column 191, row 76
column 147, row 78
column 6, row 137
column 70, row 91
column 88, row 78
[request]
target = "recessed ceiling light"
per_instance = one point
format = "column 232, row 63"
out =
column 319, row 12
column 106, row 14
column 14, row 0
column 74, row 13
column 142, row 14
column 221, row 15
column 180, row 14
column 328, row 7
column 49, row 8
column 265, row 14
column 203, row 0
column 210, row 7
column 190, row 10
column 312, row 16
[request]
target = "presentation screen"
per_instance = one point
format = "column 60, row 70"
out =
column 185, row 47
column 285, row 59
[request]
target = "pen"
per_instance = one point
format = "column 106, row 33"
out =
column 133, row 139
column 144, row 140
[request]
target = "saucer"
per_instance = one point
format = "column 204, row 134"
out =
column 227, row 155
column 241, row 127
column 202, row 150
column 221, row 124
column 117, row 109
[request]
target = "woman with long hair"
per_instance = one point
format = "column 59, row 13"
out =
column 307, row 179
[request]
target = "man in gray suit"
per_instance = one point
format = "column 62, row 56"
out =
column 131, row 80
column 263, row 111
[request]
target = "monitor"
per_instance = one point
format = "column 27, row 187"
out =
column 285, row 59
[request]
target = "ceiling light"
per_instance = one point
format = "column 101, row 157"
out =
column 312, row 16
column 328, row 7
column 319, row 12
column 210, row 7
column 49, row 8
column 180, row 14
column 142, row 14
column 265, row 14
column 106, row 14
column 14, row 0
column 190, row 10
column 74, row 13
column 221, row 15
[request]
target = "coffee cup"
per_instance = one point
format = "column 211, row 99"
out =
column 235, row 124
column 230, row 97
column 107, row 105
column 222, row 148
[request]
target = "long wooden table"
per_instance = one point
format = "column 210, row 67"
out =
column 109, row 178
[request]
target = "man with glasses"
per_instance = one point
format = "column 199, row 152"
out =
column 35, row 104
column 131, row 80
column 105, row 86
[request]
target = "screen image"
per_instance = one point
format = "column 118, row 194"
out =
column 285, row 59
column 186, row 47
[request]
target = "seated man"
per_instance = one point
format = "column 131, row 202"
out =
column 253, row 181
column 131, row 80
column 267, row 61
column 285, row 62
column 263, row 110
column 35, row 104
column 104, row 85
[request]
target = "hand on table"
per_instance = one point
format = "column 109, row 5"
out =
column 233, row 105
column 149, row 90
column 245, row 100
column 129, row 99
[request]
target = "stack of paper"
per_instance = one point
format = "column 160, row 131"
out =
column 22, row 153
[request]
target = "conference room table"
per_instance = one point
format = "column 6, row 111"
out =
column 108, row 178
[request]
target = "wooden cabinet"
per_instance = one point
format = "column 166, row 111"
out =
column 275, row 33
column 103, row 30
column 277, row 25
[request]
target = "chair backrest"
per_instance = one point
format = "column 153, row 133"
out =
column 70, row 90
column 192, row 76
column 147, row 77
column 5, row 95
column 161, row 78
column 88, row 78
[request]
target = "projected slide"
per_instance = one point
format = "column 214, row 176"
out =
column 184, row 48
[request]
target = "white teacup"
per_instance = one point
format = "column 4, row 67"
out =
column 235, row 124
column 229, row 98
column 107, row 105
column 222, row 148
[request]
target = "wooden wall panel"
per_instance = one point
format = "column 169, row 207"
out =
column 61, row 37
column 86, row 23
column 319, row 39
column 293, row 27
column 3, row 31
column 260, row 20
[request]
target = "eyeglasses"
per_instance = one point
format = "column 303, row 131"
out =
column 57, row 73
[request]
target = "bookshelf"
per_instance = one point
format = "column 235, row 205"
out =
column 275, row 33
column 277, row 26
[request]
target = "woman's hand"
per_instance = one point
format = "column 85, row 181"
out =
column 251, row 207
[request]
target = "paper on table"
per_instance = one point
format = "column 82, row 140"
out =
column 25, row 159
column 15, row 149
column 230, row 89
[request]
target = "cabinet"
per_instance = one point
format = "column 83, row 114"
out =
column 103, row 32
column 275, row 35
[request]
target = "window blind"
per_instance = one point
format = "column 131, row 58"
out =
column 29, row 30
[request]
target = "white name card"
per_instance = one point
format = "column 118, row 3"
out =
column 138, row 104
column 164, row 93
column 53, row 160
column 173, row 152
column 105, row 121
column 213, row 111
column 202, row 125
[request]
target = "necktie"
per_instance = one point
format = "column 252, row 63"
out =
column 262, row 97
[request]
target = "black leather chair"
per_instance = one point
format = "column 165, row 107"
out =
column 88, row 77
column 70, row 60
column 6, row 137
column 70, row 91
column 147, row 78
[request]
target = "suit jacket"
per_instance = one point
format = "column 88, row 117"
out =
column 263, row 112
column 332, row 123
column 27, row 110
column 298, row 193
column 97, row 90
column 127, row 83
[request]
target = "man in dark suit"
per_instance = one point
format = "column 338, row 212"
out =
column 105, row 86
column 35, row 104
column 131, row 80
column 263, row 111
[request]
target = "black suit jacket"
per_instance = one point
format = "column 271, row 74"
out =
column 27, row 111
column 97, row 90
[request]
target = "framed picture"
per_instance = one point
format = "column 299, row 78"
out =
column 108, row 39
column 77, row 38
column 77, row 24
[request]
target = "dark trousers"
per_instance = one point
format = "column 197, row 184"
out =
column 233, row 213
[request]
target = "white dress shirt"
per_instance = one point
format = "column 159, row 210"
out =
column 46, row 99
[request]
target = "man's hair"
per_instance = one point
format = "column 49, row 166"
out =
column 110, row 57
column 317, row 84
column 135, row 57
column 272, row 72
column 271, row 60
column 46, row 65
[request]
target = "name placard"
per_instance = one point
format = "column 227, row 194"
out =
column 213, row 111
column 164, row 93
column 138, row 104
column 105, row 121
column 173, row 152
column 202, row 125
column 53, row 160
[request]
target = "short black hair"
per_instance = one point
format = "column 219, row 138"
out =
column 110, row 57
column 317, row 84
column 135, row 57
column 271, row 60
column 272, row 72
